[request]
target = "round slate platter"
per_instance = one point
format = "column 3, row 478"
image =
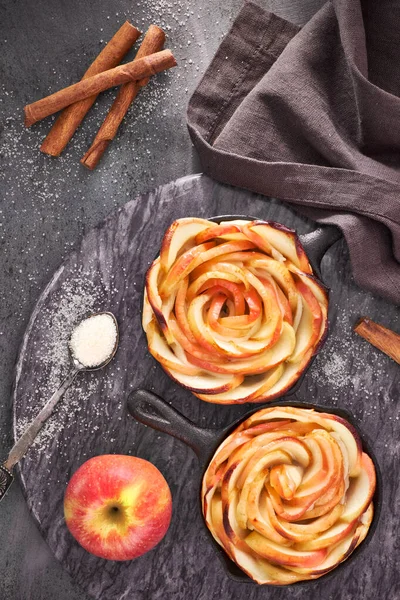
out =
column 107, row 273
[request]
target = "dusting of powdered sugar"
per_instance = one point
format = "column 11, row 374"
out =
column 341, row 366
column 77, row 298
column 333, row 371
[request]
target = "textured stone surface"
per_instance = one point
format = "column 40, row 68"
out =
column 107, row 273
column 46, row 207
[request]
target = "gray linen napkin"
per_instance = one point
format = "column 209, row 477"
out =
column 312, row 116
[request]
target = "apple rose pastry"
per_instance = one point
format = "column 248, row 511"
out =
column 288, row 494
column 232, row 311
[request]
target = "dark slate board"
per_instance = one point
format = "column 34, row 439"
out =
column 107, row 273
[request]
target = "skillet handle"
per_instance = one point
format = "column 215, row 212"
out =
column 317, row 243
column 150, row 409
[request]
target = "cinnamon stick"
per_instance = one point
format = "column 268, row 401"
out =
column 153, row 42
column 71, row 117
column 382, row 338
column 132, row 71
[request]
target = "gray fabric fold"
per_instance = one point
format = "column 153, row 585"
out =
column 312, row 116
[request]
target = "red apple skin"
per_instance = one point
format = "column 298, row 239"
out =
column 117, row 507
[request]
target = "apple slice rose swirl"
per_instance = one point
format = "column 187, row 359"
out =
column 232, row 310
column 288, row 494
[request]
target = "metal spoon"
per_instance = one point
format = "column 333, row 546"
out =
column 29, row 435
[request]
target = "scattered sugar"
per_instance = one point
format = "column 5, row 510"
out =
column 343, row 369
column 333, row 371
column 76, row 298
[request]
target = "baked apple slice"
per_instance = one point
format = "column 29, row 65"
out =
column 177, row 237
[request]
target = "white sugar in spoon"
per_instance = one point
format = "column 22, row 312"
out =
column 93, row 344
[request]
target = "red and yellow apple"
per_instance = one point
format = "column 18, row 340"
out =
column 117, row 507
column 231, row 310
column 288, row 494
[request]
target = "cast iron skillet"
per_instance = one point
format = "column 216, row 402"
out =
column 316, row 244
column 152, row 410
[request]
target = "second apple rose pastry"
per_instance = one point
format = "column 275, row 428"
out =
column 288, row 494
column 232, row 311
